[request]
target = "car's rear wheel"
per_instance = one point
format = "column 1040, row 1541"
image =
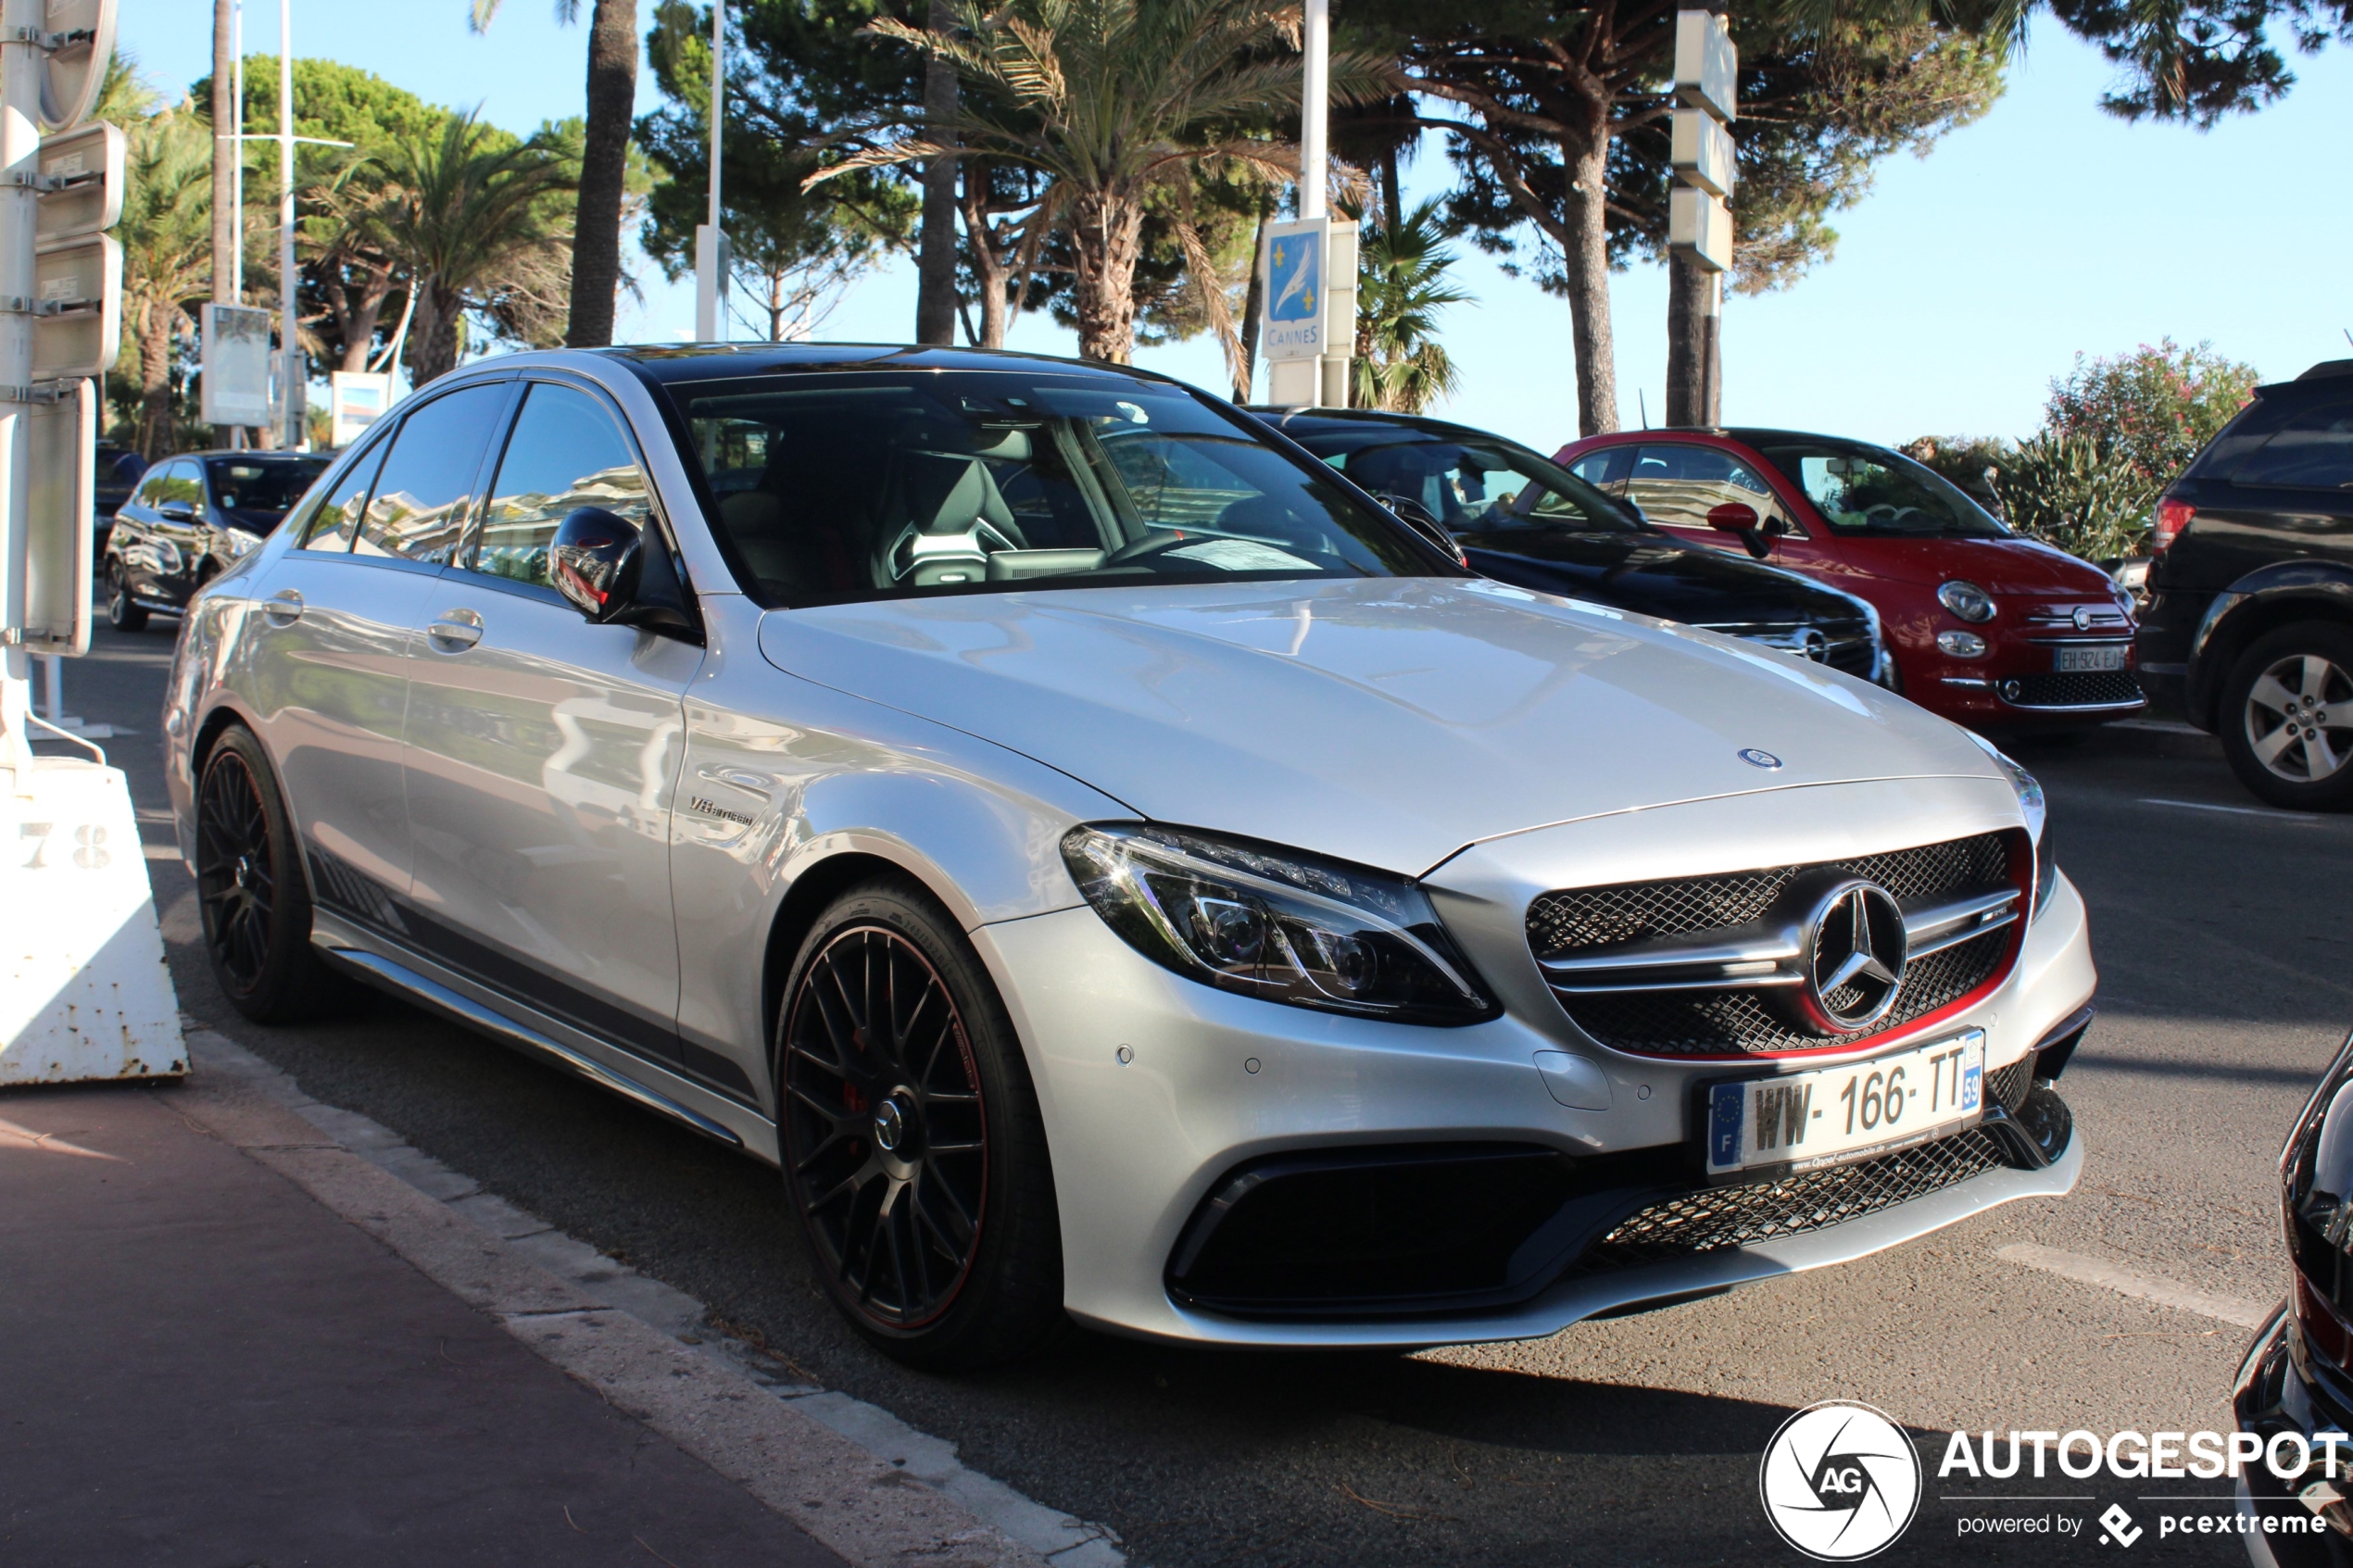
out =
column 123, row 612
column 251, row 889
column 2287, row 717
column 913, row 1147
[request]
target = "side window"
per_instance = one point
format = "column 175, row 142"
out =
column 425, row 493
column 334, row 521
column 2312, row 451
column 1606, row 467
column 179, row 484
column 566, row 453
column 1676, row 484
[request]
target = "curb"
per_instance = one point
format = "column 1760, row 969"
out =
column 854, row 1477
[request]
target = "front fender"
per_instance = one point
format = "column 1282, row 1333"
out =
column 2267, row 596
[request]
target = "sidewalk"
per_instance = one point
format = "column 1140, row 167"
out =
column 227, row 1340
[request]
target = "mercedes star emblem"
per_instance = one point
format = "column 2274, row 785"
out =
column 1855, row 951
column 1813, row 644
column 1756, row 758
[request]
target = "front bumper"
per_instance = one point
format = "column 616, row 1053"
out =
column 2278, row 1392
column 1214, row 1082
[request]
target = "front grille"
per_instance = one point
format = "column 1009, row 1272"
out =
column 1666, row 1022
column 1711, row 1219
column 2052, row 689
column 2007, row 1087
column 1855, row 657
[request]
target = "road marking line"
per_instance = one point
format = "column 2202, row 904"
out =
column 2132, row 1282
column 2160, row 726
column 2298, row 817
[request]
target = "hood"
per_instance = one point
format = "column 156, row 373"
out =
column 1655, row 574
column 1389, row 721
column 1998, row 566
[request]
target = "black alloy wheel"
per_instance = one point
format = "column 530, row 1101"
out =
column 911, row 1141
column 250, row 890
column 123, row 612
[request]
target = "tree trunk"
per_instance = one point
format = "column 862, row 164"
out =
column 1253, row 302
column 1586, row 267
column 1106, row 240
column 1687, row 293
column 156, row 435
column 604, row 168
column 990, row 271
column 936, row 258
column 1392, row 192
column 433, row 334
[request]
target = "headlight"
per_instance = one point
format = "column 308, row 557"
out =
column 1274, row 924
column 2038, row 819
column 1967, row 600
column 240, row 542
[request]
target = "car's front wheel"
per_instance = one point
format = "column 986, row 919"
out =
column 2287, row 717
column 123, row 612
column 251, row 889
column 912, row 1142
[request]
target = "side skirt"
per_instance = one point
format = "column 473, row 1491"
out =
column 420, row 981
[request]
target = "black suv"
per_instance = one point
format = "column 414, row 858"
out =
column 189, row 518
column 1519, row 517
column 2249, row 627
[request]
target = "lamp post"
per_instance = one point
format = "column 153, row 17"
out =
column 711, row 258
column 1309, row 267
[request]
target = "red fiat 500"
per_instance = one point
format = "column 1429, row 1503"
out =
column 1986, row 627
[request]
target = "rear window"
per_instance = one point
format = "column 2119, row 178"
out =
column 2312, row 451
column 879, row 484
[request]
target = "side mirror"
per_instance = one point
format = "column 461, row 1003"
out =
column 1418, row 518
column 595, row 561
column 1738, row 517
column 617, row 575
column 176, row 511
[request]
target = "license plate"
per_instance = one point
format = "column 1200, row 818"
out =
column 2084, row 661
column 1806, row 1120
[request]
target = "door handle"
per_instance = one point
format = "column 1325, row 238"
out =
column 283, row 607
column 457, row 631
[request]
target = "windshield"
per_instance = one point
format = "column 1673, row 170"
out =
column 879, row 484
column 1472, row 486
column 245, row 485
column 1868, row 490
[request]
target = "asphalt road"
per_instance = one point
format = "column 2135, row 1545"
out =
column 2227, row 966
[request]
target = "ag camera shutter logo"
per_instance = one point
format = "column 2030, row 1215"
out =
column 1839, row 1481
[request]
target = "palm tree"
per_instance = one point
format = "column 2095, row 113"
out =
column 166, row 232
column 604, row 165
column 1115, row 100
column 1401, row 286
column 472, row 224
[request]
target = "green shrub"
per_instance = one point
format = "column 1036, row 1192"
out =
column 2066, row 490
column 2149, row 410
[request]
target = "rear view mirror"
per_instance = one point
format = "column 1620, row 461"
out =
column 594, row 560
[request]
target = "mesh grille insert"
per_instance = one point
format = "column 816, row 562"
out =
column 1713, row 1218
column 1721, row 1022
column 2052, row 689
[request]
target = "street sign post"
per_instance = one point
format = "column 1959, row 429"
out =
column 355, row 399
column 1308, row 280
column 85, row 993
column 1699, row 225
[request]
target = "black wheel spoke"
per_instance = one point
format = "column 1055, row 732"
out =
column 865, row 1132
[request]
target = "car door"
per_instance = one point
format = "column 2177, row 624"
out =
column 542, row 750
column 153, row 562
column 328, row 673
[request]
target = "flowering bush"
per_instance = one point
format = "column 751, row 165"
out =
column 2150, row 411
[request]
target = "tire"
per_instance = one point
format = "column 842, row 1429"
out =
column 923, row 1186
column 123, row 612
column 251, row 890
column 2306, row 669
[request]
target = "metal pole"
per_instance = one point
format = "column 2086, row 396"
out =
column 238, row 181
column 1315, row 103
column 718, row 97
column 288, row 281
column 710, row 248
column 20, row 153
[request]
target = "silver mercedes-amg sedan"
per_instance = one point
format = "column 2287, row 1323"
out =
column 1113, row 869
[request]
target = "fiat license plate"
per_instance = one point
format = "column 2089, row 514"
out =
column 1806, row 1120
column 2084, row 662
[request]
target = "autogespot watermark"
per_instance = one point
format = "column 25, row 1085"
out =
column 1842, row 1481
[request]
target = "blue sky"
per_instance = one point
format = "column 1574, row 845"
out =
column 1961, row 284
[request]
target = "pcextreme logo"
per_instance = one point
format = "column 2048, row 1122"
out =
column 1839, row 1481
